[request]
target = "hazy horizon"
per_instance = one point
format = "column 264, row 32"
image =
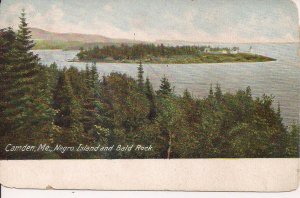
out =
column 193, row 21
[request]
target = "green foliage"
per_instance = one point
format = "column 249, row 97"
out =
column 7, row 38
column 149, row 92
column 26, row 113
column 151, row 53
column 57, row 44
column 140, row 76
column 165, row 87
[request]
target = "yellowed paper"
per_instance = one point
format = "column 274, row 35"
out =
column 178, row 175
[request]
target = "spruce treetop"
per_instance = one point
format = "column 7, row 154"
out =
column 24, row 41
column 140, row 75
column 165, row 87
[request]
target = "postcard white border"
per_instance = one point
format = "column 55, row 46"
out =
column 154, row 174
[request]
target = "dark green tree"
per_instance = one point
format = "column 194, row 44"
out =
column 218, row 92
column 68, row 111
column 23, row 75
column 28, row 108
column 140, row 79
column 211, row 92
column 95, row 80
column 7, row 39
column 149, row 92
column 165, row 87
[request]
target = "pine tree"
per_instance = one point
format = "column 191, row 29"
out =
column 140, row 76
column 211, row 92
column 187, row 94
column 7, row 38
column 25, row 62
column 28, row 107
column 24, row 75
column 165, row 87
column 149, row 92
column 293, row 137
column 24, row 92
column 87, row 74
column 218, row 92
column 53, row 73
column 68, row 110
column 248, row 91
column 24, row 42
column 92, row 104
column 95, row 80
column 278, row 113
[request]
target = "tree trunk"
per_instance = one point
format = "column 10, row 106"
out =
column 170, row 144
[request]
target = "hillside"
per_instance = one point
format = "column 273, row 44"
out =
column 39, row 34
column 52, row 40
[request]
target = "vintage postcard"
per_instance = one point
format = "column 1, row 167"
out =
column 192, row 95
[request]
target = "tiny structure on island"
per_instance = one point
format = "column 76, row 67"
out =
column 210, row 50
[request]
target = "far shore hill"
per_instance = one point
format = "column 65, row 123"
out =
column 72, row 41
column 75, row 41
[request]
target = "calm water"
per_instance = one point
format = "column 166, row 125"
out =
column 279, row 78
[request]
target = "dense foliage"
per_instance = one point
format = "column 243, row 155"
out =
column 47, row 105
column 165, row 54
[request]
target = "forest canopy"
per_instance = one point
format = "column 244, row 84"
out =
column 151, row 53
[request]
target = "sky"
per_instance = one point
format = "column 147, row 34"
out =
column 297, row 2
column 150, row 20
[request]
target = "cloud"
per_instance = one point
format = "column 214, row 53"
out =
column 12, row 13
column 297, row 2
column 108, row 8
column 193, row 21
column 51, row 19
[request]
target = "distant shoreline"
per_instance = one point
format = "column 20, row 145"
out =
column 202, row 59
column 167, row 63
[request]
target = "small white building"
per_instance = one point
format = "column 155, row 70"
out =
column 250, row 50
column 224, row 51
column 207, row 50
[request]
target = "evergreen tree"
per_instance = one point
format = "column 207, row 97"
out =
column 68, row 111
column 95, row 80
column 248, row 92
column 211, row 92
column 24, row 42
column 187, row 94
column 293, row 138
column 53, row 75
column 28, row 108
column 140, row 76
column 87, row 78
column 151, row 97
column 92, row 104
column 165, row 87
column 24, row 74
column 278, row 113
column 218, row 92
column 7, row 39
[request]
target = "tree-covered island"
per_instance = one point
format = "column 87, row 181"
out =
column 161, row 54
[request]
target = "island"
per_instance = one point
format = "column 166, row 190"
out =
column 161, row 54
